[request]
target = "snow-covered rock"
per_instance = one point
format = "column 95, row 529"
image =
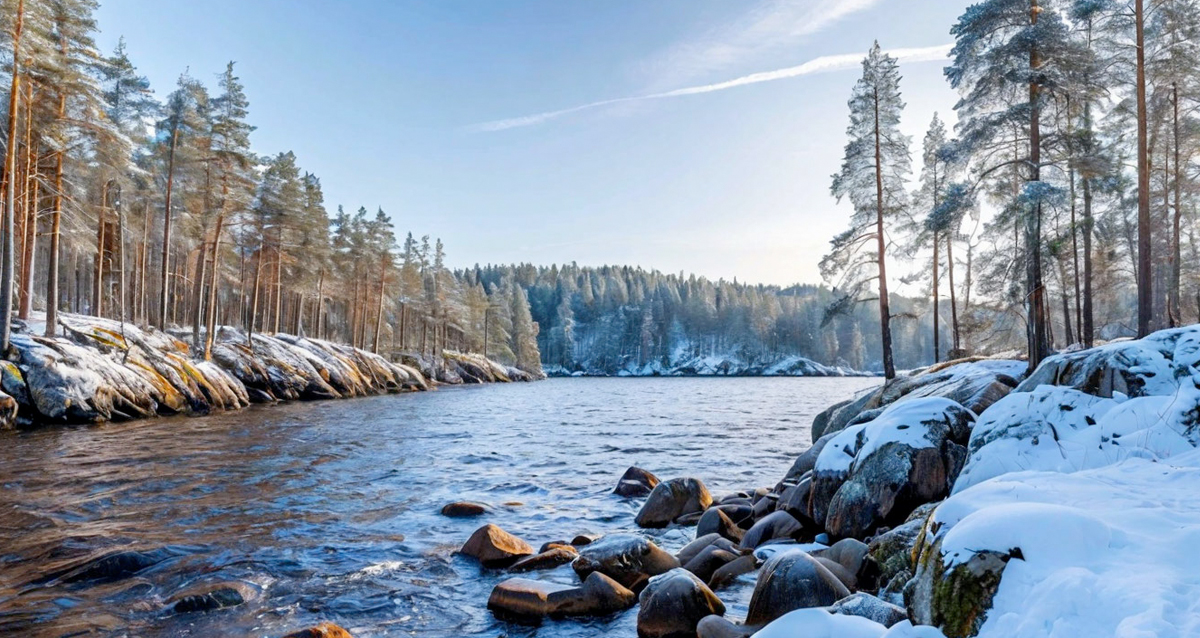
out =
column 974, row 383
column 876, row 473
column 1108, row 551
column 1152, row 366
column 818, row 623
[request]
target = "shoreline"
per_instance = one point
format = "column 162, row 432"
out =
column 98, row 370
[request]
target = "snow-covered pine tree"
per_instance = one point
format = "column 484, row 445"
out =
column 874, row 170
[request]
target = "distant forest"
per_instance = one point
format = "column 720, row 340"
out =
column 614, row 318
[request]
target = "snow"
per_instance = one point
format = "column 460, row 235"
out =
column 1108, row 551
column 818, row 623
column 1063, row 430
column 907, row 422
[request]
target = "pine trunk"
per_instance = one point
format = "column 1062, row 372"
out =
column 164, row 279
column 1145, row 306
column 889, row 368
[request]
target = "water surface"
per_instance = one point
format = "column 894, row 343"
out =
column 329, row 511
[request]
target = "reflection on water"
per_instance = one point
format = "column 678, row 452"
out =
column 329, row 511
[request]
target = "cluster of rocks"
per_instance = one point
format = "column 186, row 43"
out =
column 837, row 533
column 102, row 370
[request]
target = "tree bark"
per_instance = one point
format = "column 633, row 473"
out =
column 210, row 329
column 56, row 236
column 936, row 332
column 1037, row 328
column 98, row 273
column 889, row 368
column 164, row 279
column 32, row 191
column 7, row 274
column 1176, row 256
column 1145, row 306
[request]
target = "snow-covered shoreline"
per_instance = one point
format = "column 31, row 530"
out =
column 965, row 499
column 716, row 366
column 99, row 370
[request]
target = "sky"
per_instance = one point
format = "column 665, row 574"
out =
column 678, row 135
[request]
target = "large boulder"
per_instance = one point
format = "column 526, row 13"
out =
column 714, row 520
column 494, row 547
column 628, row 559
column 323, row 630
column 876, row 473
column 792, row 580
column 1152, row 366
column 672, row 499
column 672, row 604
column 973, row 383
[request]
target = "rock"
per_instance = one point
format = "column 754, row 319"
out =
column 773, row 526
column 709, row 560
column 548, row 559
column 876, row 473
column 689, row 519
column 891, row 552
column 673, row 603
column 584, row 539
column 217, row 598
column 323, row 630
column 520, row 598
column 555, row 545
column 955, row 599
column 1145, row 367
column 630, row 560
column 693, row 549
column 116, row 565
column 494, row 547
column 523, row 598
column 462, row 509
column 729, row 572
column 792, row 580
column 848, row 552
column 835, row 568
column 794, row 500
column 867, row 606
column 671, row 499
column 716, row 521
column 635, row 482
column 720, row 627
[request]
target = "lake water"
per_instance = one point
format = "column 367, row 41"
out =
column 330, row 511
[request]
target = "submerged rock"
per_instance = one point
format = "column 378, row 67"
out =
column 672, row 499
column 548, row 559
column 462, row 509
column 673, row 603
column 323, row 630
column 628, row 559
column 494, row 547
column 217, row 598
column 117, row 565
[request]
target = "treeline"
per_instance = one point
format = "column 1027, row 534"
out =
column 1077, row 135
column 614, row 318
column 120, row 205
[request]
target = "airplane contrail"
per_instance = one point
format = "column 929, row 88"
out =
column 822, row 64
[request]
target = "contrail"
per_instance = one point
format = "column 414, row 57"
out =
column 822, row 64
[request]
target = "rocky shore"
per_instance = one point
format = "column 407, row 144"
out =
column 101, row 370
column 965, row 499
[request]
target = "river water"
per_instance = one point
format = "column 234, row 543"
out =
column 330, row 510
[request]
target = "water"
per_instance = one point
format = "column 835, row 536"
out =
column 329, row 511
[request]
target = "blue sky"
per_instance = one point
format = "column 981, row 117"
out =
column 434, row 110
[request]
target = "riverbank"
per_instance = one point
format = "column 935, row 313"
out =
column 715, row 366
column 966, row 499
column 102, row 370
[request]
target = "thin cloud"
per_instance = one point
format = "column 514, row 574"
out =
column 769, row 27
column 822, row 64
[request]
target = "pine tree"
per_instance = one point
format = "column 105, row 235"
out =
column 873, row 174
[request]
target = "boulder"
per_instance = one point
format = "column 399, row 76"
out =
column 775, row 525
column 463, row 509
column 876, row 473
column 628, row 559
column 548, row 559
column 794, row 500
column 891, row 552
column 635, row 482
column 792, row 580
column 867, row 606
column 672, row 604
column 115, row 565
column 671, row 499
column 522, row 599
column 494, row 547
column 835, row 568
column 716, row 521
column 848, row 552
column 210, row 598
column 808, row 459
